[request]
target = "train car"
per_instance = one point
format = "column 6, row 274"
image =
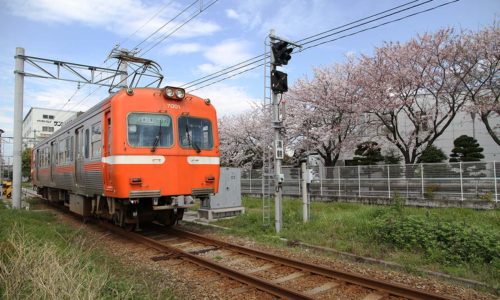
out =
column 140, row 155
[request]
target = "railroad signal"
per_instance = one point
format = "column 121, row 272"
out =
column 281, row 53
column 279, row 82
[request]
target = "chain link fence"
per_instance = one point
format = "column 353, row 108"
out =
column 438, row 181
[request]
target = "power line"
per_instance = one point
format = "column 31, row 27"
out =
column 225, row 70
column 146, row 23
column 198, row 82
column 168, row 22
column 225, row 78
column 162, row 39
column 357, row 21
column 180, row 26
column 364, row 23
column 381, row 24
column 321, row 43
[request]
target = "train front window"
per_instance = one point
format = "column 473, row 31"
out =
column 149, row 130
column 195, row 133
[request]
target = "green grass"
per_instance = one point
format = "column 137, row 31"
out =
column 41, row 258
column 366, row 230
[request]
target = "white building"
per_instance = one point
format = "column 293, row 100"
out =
column 39, row 123
column 464, row 123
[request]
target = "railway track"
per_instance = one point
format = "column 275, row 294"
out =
column 275, row 275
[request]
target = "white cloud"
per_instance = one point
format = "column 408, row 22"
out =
column 290, row 18
column 182, row 48
column 232, row 14
column 228, row 99
column 122, row 17
column 226, row 53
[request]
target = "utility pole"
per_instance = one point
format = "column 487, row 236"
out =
column 280, row 55
column 80, row 73
column 18, row 128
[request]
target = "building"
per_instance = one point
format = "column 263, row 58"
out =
column 39, row 123
column 464, row 123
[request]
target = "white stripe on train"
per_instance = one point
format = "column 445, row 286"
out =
column 156, row 160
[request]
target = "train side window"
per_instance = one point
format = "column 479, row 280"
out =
column 71, row 148
column 87, row 143
column 61, row 151
column 96, row 140
column 66, row 150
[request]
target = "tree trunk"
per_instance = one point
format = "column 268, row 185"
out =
column 484, row 118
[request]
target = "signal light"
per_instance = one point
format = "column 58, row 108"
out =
column 279, row 82
column 281, row 53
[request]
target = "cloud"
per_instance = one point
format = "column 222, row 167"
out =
column 228, row 52
column 232, row 14
column 182, row 48
column 122, row 17
column 262, row 15
column 228, row 99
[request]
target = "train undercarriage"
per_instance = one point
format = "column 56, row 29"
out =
column 127, row 213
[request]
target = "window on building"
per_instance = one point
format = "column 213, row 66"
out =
column 48, row 128
column 96, row 140
column 51, row 117
column 45, row 116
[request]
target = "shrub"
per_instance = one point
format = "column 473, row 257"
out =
column 447, row 242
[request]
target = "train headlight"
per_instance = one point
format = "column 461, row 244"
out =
column 169, row 92
column 179, row 93
column 174, row 93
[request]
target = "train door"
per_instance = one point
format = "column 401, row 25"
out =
column 79, row 151
column 108, row 184
column 52, row 160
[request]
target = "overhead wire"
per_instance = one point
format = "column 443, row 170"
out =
column 180, row 26
column 208, row 78
column 225, row 70
column 151, row 35
column 146, row 23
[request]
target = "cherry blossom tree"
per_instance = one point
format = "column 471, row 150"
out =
column 481, row 55
column 322, row 114
column 413, row 89
column 243, row 137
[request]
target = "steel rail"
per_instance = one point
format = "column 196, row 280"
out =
column 250, row 280
column 375, row 284
column 244, row 278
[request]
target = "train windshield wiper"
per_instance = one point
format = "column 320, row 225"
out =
column 196, row 147
column 187, row 134
column 157, row 140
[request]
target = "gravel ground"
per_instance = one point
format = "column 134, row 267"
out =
column 189, row 281
column 425, row 283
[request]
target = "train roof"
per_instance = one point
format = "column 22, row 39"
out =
column 75, row 121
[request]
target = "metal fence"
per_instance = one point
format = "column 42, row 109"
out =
column 443, row 181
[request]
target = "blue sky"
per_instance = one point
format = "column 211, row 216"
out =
column 226, row 33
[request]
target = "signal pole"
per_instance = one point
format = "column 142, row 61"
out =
column 280, row 55
column 277, row 126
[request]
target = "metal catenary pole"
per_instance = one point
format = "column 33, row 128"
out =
column 18, row 128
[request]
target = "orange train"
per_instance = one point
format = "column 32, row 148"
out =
column 140, row 155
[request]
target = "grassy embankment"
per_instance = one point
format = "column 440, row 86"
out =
column 460, row 242
column 41, row 258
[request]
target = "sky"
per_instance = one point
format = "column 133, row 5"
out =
column 222, row 35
